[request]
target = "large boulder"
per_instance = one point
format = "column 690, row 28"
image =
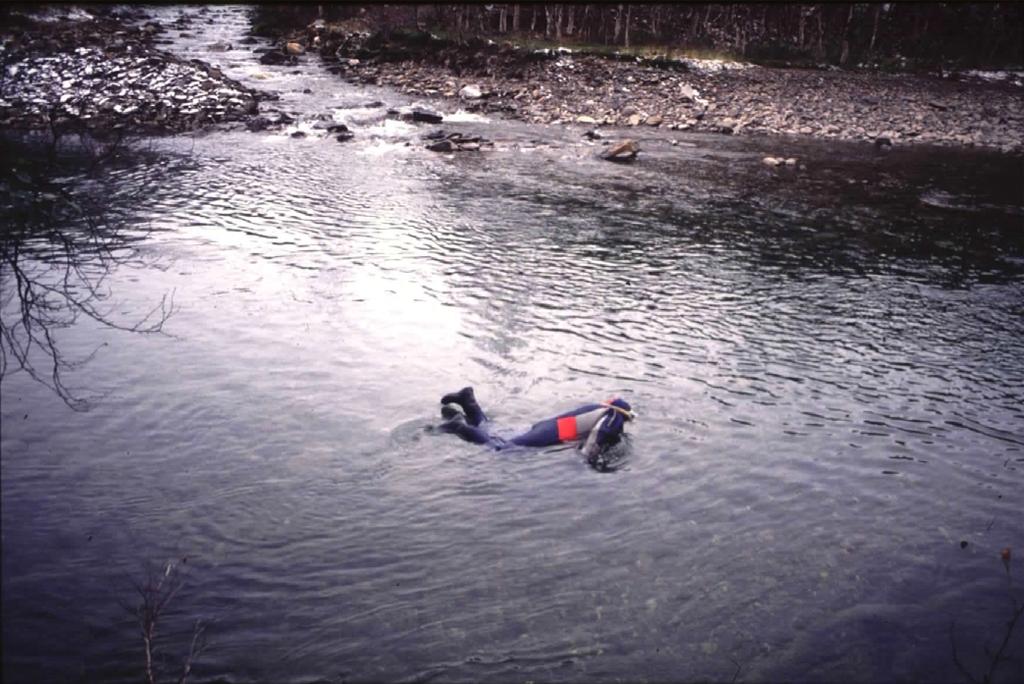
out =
column 259, row 123
column 275, row 57
column 779, row 161
column 425, row 116
column 688, row 92
column 624, row 151
column 728, row 125
column 471, row 92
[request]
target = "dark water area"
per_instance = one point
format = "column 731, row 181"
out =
column 827, row 362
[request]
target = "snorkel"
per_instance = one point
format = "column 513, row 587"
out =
column 608, row 429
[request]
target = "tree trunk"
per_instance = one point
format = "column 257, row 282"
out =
column 800, row 33
column 629, row 11
column 846, row 38
column 874, row 31
column 618, row 25
column 819, row 48
column 570, row 26
column 515, row 18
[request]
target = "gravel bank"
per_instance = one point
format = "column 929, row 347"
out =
column 561, row 86
column 102, row 73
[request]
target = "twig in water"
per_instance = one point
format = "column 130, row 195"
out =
column 1000, row 656
column 156, row 594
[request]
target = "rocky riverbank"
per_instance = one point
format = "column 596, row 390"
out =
column 562, row 86
column 100, row 71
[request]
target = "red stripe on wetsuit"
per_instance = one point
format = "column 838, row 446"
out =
column 567, row 430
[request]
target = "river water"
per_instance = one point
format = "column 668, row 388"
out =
column 827, row 363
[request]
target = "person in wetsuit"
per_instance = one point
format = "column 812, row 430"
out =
column 599, row 425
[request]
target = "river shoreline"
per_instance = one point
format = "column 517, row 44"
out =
column 104, row 72
column 566, row 87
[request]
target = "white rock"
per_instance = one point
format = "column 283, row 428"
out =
column 471, row 92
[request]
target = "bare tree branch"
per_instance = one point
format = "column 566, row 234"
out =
column 58, row 245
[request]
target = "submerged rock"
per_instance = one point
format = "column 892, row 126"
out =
column 259, row 123
column 455, row 142
column 442, row 146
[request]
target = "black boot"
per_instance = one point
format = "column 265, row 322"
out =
column 448, row 412
column 467, row 400
column 457, row 426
